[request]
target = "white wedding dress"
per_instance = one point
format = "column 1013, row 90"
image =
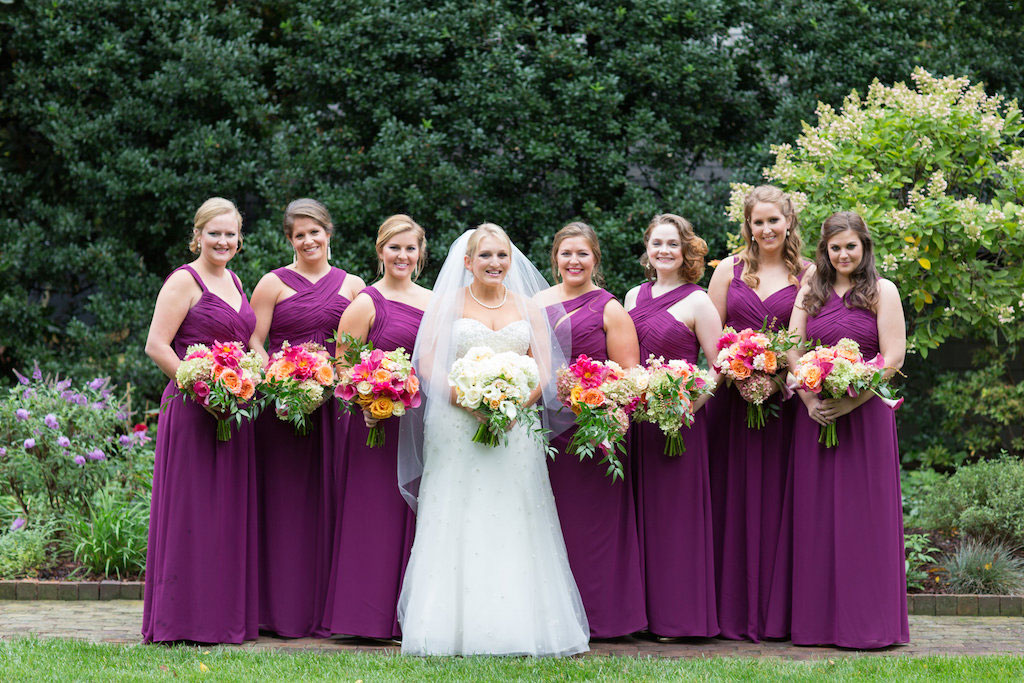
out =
column 488, row 572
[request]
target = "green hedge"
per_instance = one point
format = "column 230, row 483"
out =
column 119, row 116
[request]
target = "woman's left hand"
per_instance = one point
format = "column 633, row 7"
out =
column 834, row 408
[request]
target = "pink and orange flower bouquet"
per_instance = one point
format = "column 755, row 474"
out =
column 603, row 396
column 840, row 370
column 672, row 387
column 383, row 383
column 223, row 380
column 754, row 360
column 298, row 381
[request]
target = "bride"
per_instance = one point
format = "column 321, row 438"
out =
column 488, row 572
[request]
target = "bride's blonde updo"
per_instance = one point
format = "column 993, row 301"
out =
column 487, row 230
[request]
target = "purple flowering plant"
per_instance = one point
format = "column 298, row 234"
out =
column 62, row 441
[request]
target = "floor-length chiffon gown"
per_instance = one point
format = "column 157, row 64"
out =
column 375, row 527
column 849, row 582
column 597, row 516
column 295, row 473
column 672, row 496
column 201, row 572
column 748, row 469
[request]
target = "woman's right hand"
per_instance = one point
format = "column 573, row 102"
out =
column 813, row 404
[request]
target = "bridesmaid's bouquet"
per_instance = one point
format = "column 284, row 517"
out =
column 753, row 360
column 223, row 380
column 497, row 385
column 672, row 387
column 298, row 380
column 383, row 383
column 840, row 370
column 603, row 396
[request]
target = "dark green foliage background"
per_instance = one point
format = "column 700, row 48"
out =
column 119, row 117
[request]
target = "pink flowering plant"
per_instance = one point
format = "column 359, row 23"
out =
column 222, row 379
column 840, row 370
column 298, row 380
column 60, row 441
column 382, row 383
column 755, row 360
column 667, row 401
column 603, row 396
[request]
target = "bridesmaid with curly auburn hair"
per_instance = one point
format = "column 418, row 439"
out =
column 675, row 319
column 849, row 583
column 201, row 558
column 749, row 466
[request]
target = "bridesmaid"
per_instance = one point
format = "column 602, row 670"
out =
column 675, row 318
column 297, row 303
column 598, row 517
column 749, row 466
column 375, row 525
column 201, row 559
column 849, row 585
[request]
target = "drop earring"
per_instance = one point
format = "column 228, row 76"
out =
column 328, row 251
column 295, row 257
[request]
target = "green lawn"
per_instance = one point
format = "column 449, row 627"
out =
column 33, row 659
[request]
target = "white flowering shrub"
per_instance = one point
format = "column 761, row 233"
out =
column 937, row 171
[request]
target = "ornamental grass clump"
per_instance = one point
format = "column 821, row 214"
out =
column 983, row 568
column 937, row 172
column 110, row 540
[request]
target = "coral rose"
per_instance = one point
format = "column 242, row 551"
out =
column 811, row 376
column 325, row 375
column 739, row 368
column 412, row 384
column 771, row 363
column 593, row 397
column 849, row 354
column 231, row 381
column 381, row 408
column 282, row 369
column 381, row 376
column 248, row 389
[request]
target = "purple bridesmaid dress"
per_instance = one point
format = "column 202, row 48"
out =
column 748, row 470
column 849, row 582
column 295, row 473
column 598, row 517
column 672, row 497
column 375, row 525
column 201, row 559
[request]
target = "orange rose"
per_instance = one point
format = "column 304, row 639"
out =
column 412, row 384
column 229, row 378
column 848, row 354
column 283, row 368
column 739, row 368
column 593, row 397
column 248, row 389
column 381, row 376
column 217, row 370
column 325, row 375
column 771, row 363
column 381, row 408
column 811, row 376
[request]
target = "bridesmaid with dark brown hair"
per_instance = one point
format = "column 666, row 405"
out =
column 675, row 319
column 298, row 303
column 597, row 515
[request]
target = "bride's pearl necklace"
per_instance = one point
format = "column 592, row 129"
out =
column 503, row 299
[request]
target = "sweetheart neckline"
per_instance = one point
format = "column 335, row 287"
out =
column 491, row 329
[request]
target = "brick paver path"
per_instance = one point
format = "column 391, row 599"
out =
column 118, row 621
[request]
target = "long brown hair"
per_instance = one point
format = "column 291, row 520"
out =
column 578, row 229
column 863, row 280
column 791, row 247
column 693, row 247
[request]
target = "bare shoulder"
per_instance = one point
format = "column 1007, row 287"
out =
column 352, row 285
column 631, row 295
column 887, row 288
column 180, row 282
column 547, row 296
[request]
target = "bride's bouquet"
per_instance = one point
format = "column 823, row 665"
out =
column 672, row 387
column 383, row 383
column 223, row 380
column 298, row 380
column 602, row 396
column 497, row 385
column 840, row 370
column 753, row 360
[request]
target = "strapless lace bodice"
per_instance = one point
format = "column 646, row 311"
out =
column 469, row 332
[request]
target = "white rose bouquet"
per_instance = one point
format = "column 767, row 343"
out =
column 496, row 385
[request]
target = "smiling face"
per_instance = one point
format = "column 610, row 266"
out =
column 575, row 260
column 400, row 254
column 845, row 252
column 490, row 262
column 665, row 250
column 219, row 239
column 309, row 239
column 768, row 226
